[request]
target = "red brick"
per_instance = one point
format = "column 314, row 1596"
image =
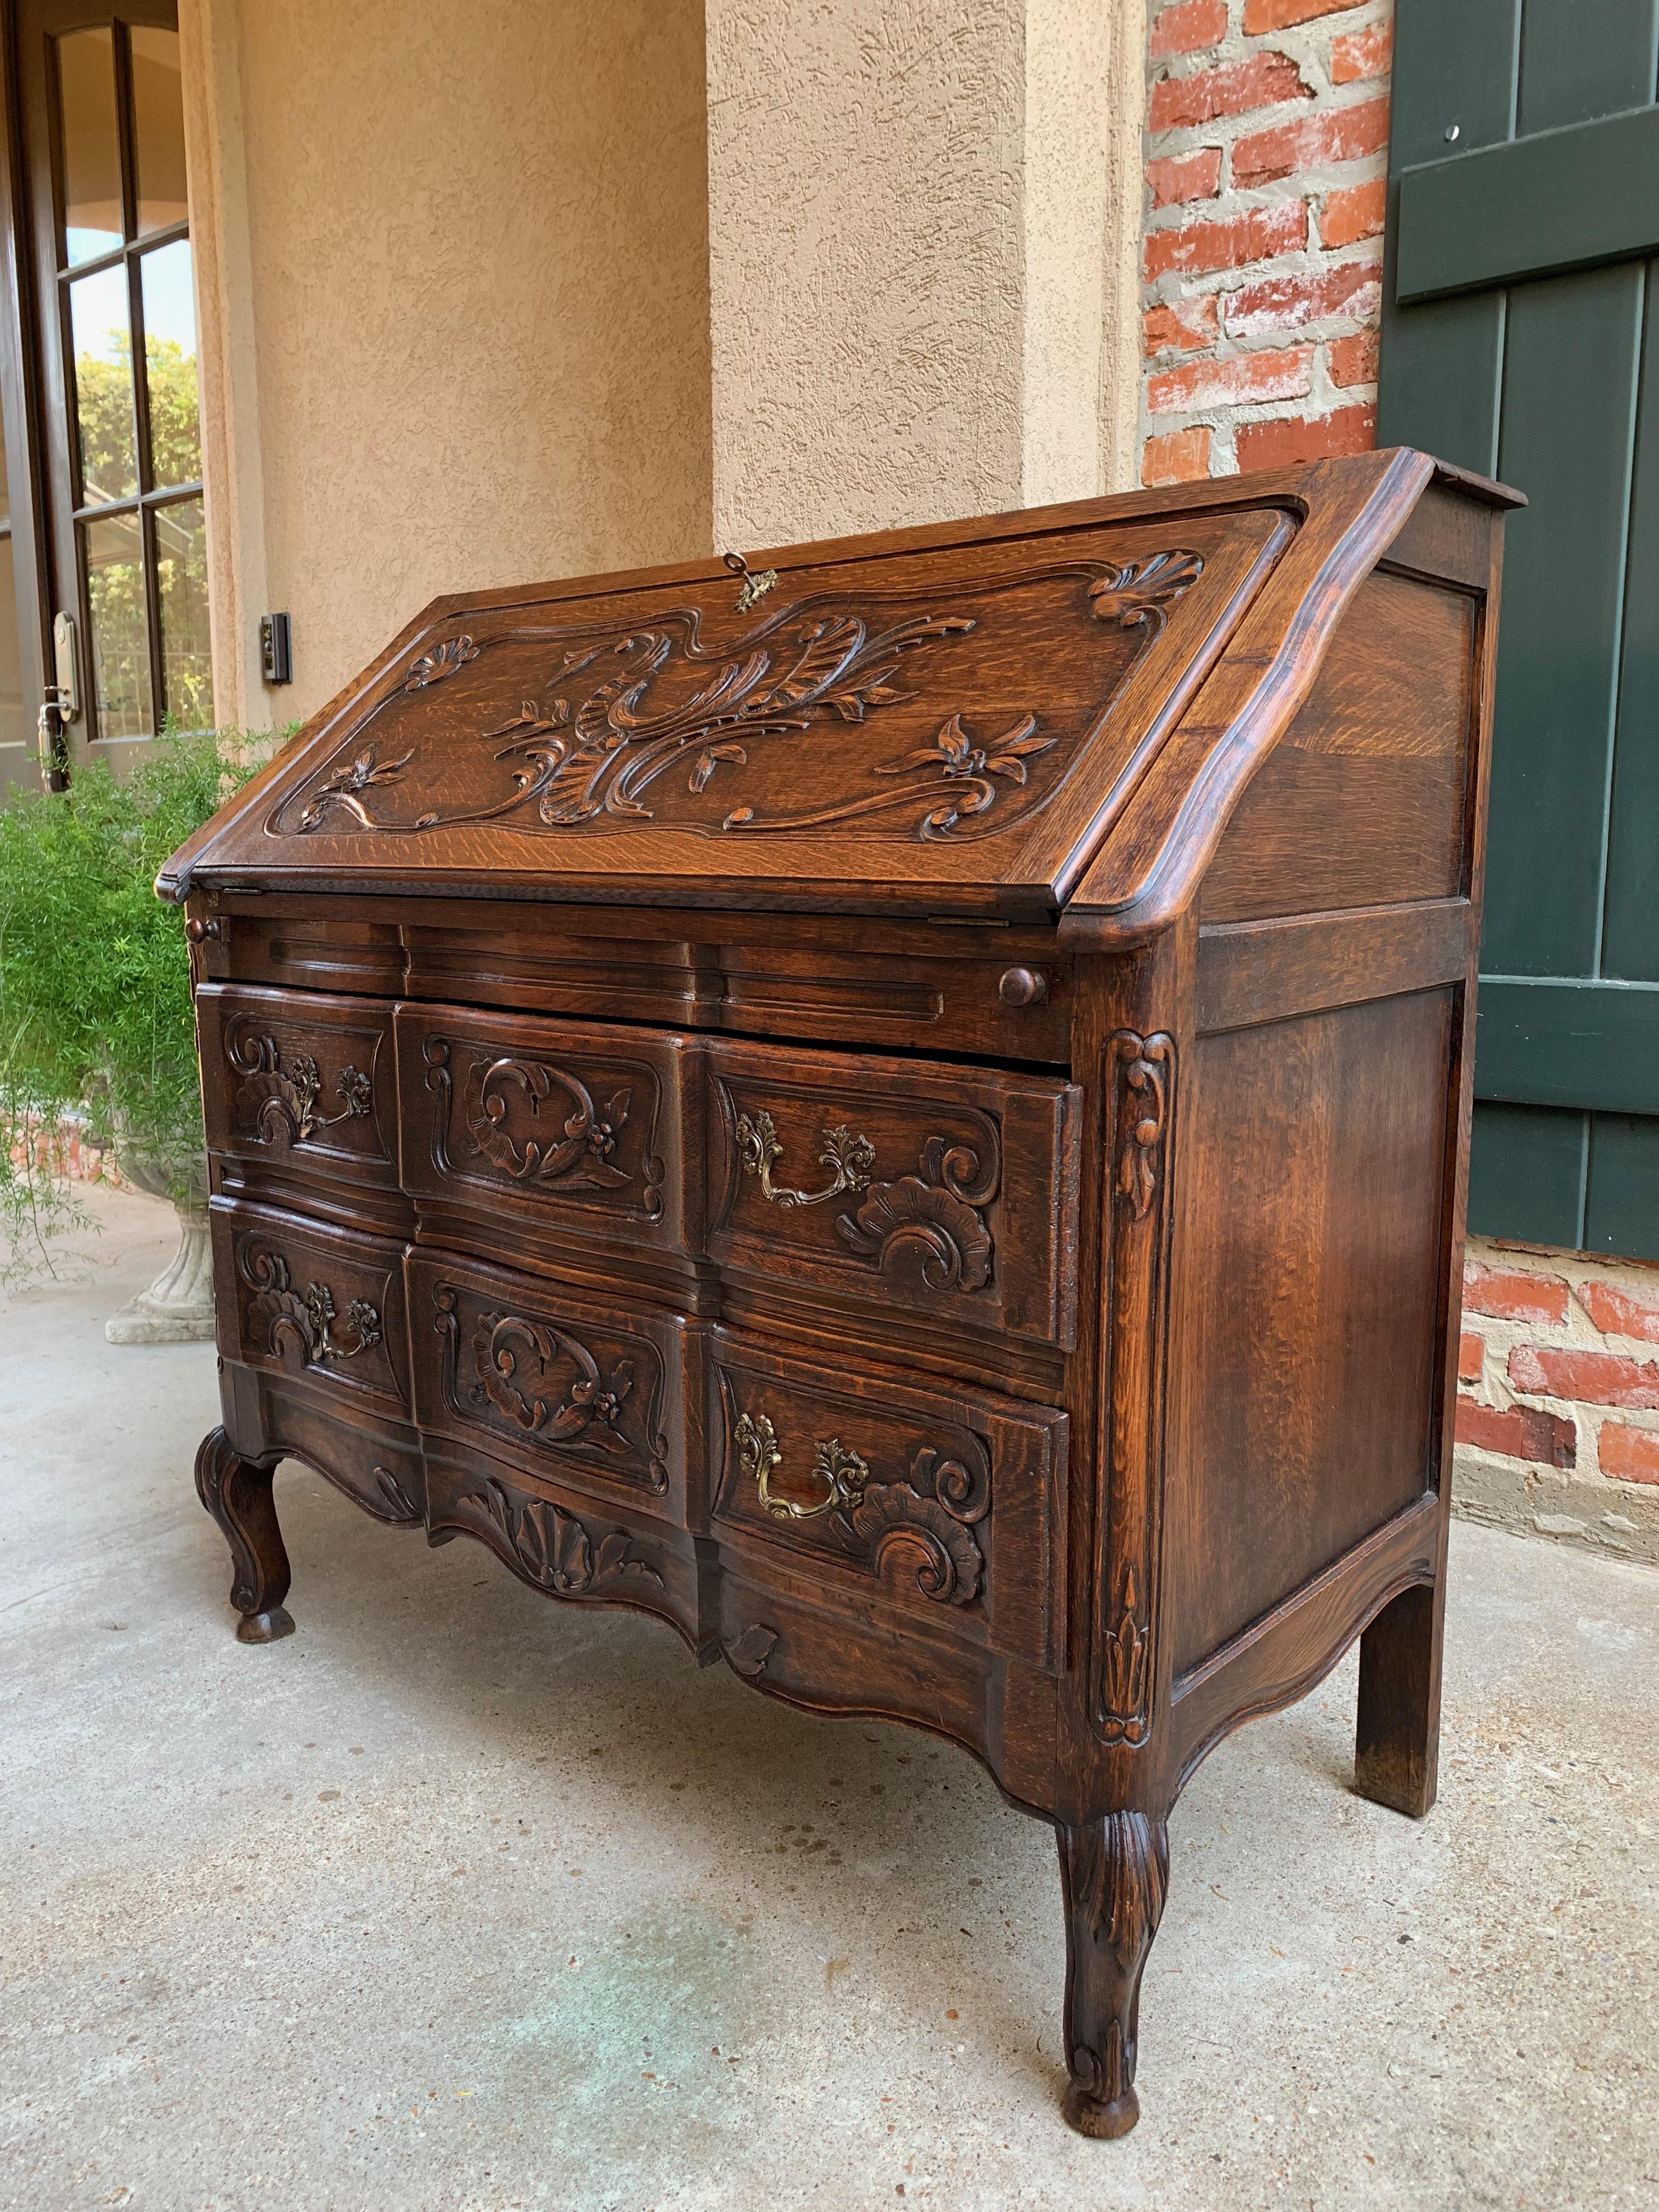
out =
column 1184, row 324
column 1354, row 213
column 1187, row 26
column 1521, row 1431
column 1355, row 360
column 1286, row 303
column 1618, row 1311
column 1194, row 247
column 1278, row 445
column 1246, row 378
column 1232, row 89
column 1278, row 14
column 1600, row 1378
column 1471, row 1357
column 1359, row 54
column 1186, row 177
column 1632, row 1454
column 1180, row 457
column 1507, row 1294
column 1341, row 134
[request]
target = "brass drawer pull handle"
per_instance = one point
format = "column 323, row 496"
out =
column 845, row 1471
column 848, row 1158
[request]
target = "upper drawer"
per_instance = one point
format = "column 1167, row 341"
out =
column 943, row 1190
column 305, row 1075
column 568, row 1123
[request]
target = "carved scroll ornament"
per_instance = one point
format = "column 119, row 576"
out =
column 591, row 747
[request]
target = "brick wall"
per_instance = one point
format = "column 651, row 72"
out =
column 1267, row 127
column 1558, row 1411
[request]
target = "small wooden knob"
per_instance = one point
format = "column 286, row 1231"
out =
column 1023, row 987
column 196, row 929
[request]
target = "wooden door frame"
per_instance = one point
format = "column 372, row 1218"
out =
column 20, row 390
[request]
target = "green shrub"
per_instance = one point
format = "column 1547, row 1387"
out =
column 95, row 1016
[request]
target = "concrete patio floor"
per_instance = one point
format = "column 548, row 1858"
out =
column 457, row 1898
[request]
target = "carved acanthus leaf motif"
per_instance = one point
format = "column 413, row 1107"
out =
column 287, row 1110
column 443, row 659
column 553, row 1549
column 591, row 747
column 750, row 1652
column 400, row 1505
column 1141, row 1066
column 926, row 1232
column 1137, row 596
column 581, row 1136
column 909, row 1534
column 1124, row 1652
column 293, row 1325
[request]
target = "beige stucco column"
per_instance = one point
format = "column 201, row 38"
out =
column 924, row 221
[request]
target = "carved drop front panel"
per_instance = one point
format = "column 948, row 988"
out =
column 950, row 1505
column 568, row 1124
column 551, row 1383
column 321, row 1305
column 300, row 1080
column 951, row 1192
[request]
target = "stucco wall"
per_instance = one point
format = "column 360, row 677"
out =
column 913, row 257
column 476, row 252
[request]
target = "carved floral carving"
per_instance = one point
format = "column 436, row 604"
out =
column 907, row 1533
column 550, row 1384
column 596, row 741
column 551, row 1548
column 400, row 1506
column 591, row 1402
column 286, row 1324
column 286, row 1112
column 572, row 1143
column 1124, row 1702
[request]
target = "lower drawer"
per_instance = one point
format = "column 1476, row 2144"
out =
column 954, row 1504
column 298, row 1297
column 544, row 1380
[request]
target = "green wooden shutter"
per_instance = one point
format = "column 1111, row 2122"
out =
column 1521, row 338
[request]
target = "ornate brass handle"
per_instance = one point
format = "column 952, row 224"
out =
column 848, row 1158
column 845, row 1471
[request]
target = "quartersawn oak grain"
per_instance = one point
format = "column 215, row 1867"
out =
column 914, row 1131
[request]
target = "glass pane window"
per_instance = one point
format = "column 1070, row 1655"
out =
column 158, row 129
column 112, row 553
column 175, row 423
column 101, row 336
column 89, row 146
column 181, row 585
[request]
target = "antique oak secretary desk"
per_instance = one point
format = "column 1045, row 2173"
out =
column 903, row 1112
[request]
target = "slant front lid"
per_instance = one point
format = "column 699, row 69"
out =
column 946, row 719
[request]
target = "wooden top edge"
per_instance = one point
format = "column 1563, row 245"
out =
column 1479, row 487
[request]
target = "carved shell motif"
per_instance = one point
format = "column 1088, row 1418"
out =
column 921, row 1237
column 911, row 1534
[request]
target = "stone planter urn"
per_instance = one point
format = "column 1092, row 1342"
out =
column 178, row 1307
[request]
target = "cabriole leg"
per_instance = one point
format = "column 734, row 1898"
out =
column 1397, row 1741
column 1114, row 1872
column 236, row 1492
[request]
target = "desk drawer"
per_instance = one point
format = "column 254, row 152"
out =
column 953, row 1505
column 943, row 1190
column 305, row 1077
column 596, row 1396
column 565, row 1125
column 299, row 1298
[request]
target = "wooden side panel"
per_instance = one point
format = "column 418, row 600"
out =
column 1307, row 1329
column 1363, row 802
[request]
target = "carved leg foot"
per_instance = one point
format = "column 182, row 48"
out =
column 1397, row 1742
column 236, row 1492
column 1113, row 1872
